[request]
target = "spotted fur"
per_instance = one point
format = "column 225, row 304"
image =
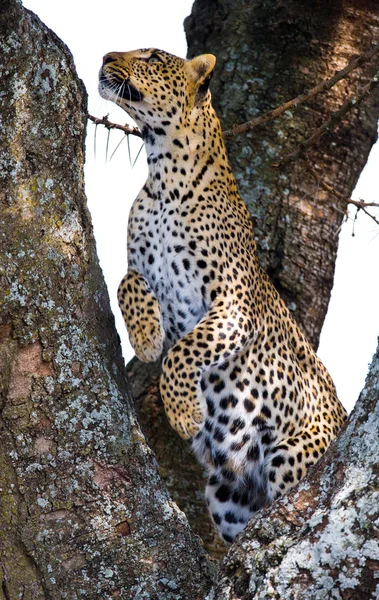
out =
column 239, row 378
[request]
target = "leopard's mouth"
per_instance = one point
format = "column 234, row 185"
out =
column 129, row 92
column 118, row 88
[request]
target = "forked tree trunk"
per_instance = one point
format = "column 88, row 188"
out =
column 269, row 51
column 83, row 511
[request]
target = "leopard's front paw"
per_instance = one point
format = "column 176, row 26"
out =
column 142, row 316
column 146, row 338
column 182, row 398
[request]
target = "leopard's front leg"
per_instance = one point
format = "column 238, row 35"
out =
column 220, row 335
column 142, row 316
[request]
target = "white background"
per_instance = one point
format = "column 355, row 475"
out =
column 91, row 30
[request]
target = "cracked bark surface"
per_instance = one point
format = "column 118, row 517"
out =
column 83, row 510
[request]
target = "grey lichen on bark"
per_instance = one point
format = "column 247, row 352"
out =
column 83, row 511
column 322, row 539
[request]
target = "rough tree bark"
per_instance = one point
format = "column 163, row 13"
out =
column 83, row 511
column 269, row 51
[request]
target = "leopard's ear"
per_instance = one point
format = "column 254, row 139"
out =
column 200, row 69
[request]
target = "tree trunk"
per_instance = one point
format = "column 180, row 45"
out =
column 267, row 53
column 322, row 539
column 83, row 511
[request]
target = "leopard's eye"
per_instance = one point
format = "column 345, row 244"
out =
column 154, row 58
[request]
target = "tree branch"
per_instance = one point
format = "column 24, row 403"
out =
column 334, row 118
column 295, row 102
column 360, row 204
column 109, row 125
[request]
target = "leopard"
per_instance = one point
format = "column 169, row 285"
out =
column 239, row 379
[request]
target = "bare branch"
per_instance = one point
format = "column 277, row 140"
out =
column 295, row 102
column 334, row 118
column 109, row 125
column 360, row 204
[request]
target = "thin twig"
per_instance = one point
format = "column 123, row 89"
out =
column 321, row 87
column 334, row 118
column 362, row 207
column 360, row 204
column 109, row 125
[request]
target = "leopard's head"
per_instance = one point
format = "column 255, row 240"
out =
column 156, row 89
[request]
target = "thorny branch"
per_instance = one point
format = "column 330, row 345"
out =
column 109, row 125
column 271, row 114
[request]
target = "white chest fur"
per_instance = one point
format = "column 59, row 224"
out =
column 160, row 249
